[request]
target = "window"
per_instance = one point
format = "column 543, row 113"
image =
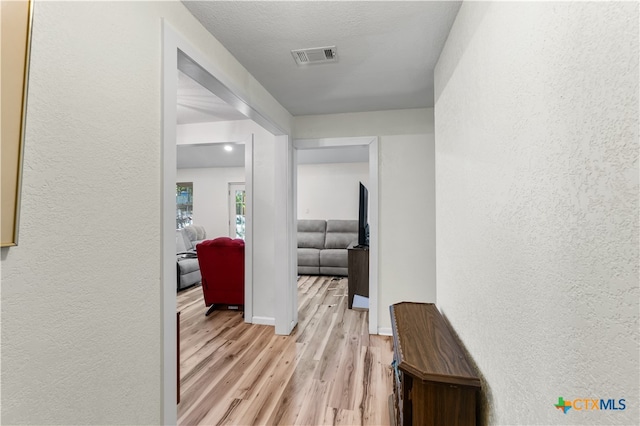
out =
column 184, row 204
column 237, row 209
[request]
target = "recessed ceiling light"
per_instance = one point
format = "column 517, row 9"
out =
column 228, row 148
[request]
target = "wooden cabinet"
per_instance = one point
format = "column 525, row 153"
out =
column 434, row 383
column 358, row 263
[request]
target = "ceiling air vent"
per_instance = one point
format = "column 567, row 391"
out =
column 316, row 55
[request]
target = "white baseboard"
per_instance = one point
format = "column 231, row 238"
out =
column 385, row 331
column 264, row 320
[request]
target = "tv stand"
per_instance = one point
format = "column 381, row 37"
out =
column 358, row 279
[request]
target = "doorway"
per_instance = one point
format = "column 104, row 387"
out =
column 371, row 142
column 179, row 54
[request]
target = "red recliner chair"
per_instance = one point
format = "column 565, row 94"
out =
column 222, row 268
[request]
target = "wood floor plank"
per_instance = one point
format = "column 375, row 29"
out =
column 314, row 406
column 296, row 391
column 270, row 395
column 202, row 343
column 343, row 394
column 328, row 371
column 217, row 375
column 308, row 322
column 256, row 397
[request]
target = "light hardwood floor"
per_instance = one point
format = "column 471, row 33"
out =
column 328, row 371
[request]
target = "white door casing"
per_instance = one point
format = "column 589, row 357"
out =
column 372, row 143
column 286, row 299
column 179, row 54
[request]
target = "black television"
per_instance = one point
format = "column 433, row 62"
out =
column 363, row 225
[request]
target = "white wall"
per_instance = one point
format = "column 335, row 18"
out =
column 210, row 196
column 392, row 122
column 537, row 204
column 81, row 294
column 407, row 258
column 407, row 222
column 330, row 191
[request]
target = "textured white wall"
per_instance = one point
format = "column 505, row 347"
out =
column 81, row 294
column 537, row 204
column 330, row 191
column 211, row 197
column 406, row 165
column 407, row 222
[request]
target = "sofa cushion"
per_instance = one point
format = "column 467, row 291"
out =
column 341, row 233
column 188, row 271
column 334, row 257
column 195, row 233
column 334, row 271
column 190, row 232
column 183, row 243
column 311, row 233
column 308, row 270
column 189, row 279
column 308, row 257
column 201, row 233
column 186, row 265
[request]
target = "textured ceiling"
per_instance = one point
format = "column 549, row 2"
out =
column 386, row 50
column 386, row 55
column 209, row 155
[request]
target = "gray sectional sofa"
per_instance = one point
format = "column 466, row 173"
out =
column 188, row 269
column 322, row 246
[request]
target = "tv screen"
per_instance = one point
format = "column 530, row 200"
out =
column 363, row 226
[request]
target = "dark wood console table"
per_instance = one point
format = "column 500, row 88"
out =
column 434, row 383
column 358, row 280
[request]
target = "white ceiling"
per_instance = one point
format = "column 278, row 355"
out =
column 197, row 104
column 386, row 50
column 209, row 155
column 386, row 55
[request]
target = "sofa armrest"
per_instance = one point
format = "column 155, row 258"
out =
column 187, row 254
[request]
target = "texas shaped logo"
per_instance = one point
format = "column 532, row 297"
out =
column 563, row 405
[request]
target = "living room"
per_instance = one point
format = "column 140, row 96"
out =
column 406, row 155
column 403, row 158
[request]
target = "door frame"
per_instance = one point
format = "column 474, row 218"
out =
column 178, row 53
column 374, row 231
